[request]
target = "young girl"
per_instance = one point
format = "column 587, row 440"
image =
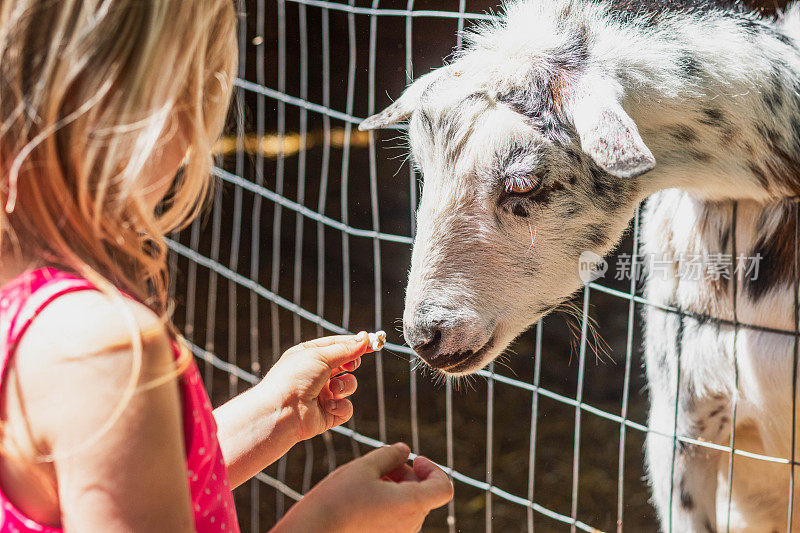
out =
column 104, row 424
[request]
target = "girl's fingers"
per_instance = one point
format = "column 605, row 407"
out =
column 320, row 343
column 343, row 386
column 347, row 367
column 435, row 487
column 424, row 467
column 340, row 353
column 339, row 411
column 402, row 473
column 352, row 365
column 386, row 459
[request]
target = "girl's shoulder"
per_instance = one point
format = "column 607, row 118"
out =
column 82, row 343
column 87, row 322
column 70, row 372
column 64, row 319
column 63, row 314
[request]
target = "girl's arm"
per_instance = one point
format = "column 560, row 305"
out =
column 298, row 399
column 253, row 431
column 71, row 370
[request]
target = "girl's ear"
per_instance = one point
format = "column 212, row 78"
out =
column 408, row 102
column 607, row 133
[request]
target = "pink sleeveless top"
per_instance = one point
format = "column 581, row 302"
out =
column 21, row 300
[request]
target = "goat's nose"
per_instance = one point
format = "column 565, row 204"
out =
column 431, row 331
column 444, row 336
column 429, row 348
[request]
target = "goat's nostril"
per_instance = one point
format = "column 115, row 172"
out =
column 426, row 348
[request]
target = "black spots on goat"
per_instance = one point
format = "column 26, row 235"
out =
column 687, row 502
column 773, row 98
column 575, row 158
column 520, row 210
column 723, row 424
column 682, row 133
column 631, row 8
column 547, row 193
column 714, row 117
column 521, row 100
column 700, row 156
column 775, row 138
column 595, row 235
column 758, row 173
column 771, row 137
column 750, row 25
column 426, row 121
column 782, row 167
column 774, row 253
column 574, row 55
column 794, row 124
column 780, row 36
column 728, row 135
column 785, row 39
column 608, row 192
column 536, row 103
column 690, row 65
column 510, row 156
column 601, row 183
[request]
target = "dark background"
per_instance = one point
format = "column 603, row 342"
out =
column 227, row 308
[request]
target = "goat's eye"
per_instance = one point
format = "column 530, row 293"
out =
column 522, row 186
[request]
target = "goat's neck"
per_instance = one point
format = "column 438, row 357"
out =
column 721, row 125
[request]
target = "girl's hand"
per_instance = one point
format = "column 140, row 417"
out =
column 312, row 382
column 303, row 394
column 377, row 492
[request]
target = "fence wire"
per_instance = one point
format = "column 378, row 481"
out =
column 298, row 239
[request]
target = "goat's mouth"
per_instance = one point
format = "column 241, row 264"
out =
column 465, row 362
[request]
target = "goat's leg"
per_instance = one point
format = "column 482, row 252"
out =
column 683, row 475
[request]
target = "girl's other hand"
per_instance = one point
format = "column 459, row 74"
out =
column 313, row 381
column 377, row 492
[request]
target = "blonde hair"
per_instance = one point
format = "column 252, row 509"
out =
column 89, row 92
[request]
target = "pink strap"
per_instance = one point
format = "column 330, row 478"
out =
column 24, row 298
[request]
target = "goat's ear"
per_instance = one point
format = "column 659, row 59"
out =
column 402, row 108
column 610, row 137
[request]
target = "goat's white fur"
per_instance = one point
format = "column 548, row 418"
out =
column 585, row 97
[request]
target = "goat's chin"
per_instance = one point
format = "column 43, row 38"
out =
column 473, row 363
column 497, row 344
column 477, row 360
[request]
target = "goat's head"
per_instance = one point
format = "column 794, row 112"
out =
column 527, row 164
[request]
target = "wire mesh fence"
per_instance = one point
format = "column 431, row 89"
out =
column 310, row 234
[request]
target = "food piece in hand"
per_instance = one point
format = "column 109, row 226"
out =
column 377, row 340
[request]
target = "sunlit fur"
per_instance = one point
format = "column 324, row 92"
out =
column 589, row 95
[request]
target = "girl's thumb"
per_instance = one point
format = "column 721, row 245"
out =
column 384, row 460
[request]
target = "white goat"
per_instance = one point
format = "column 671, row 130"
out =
column 539, row 141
